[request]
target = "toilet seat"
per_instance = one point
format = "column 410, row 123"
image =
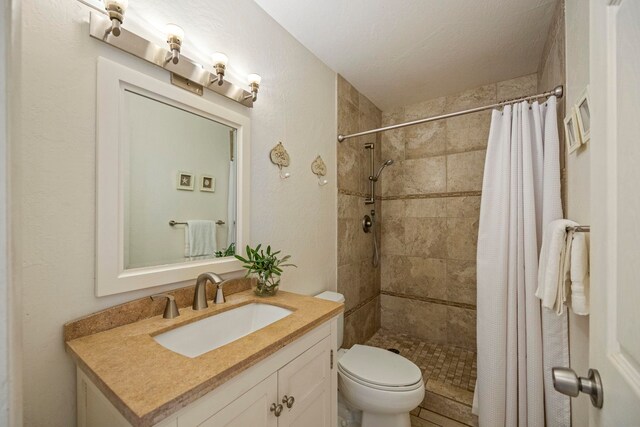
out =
column 380, row 369
column 412, row 387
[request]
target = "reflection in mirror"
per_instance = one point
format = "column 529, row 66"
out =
column 179, row 166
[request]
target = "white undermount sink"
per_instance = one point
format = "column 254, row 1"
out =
column 207, row 334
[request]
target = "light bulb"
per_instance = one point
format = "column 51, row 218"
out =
column 219, row 58
column 115, row 9
column 254, row 83
column 174, row 31
column 121, row 4
column 254, row 78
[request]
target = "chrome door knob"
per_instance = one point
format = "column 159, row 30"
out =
column 276, row 409
column 288, row 400
column 567, row 382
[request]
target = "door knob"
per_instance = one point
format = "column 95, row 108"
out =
column 288, row 400
column 276, row 409
column 567, row 382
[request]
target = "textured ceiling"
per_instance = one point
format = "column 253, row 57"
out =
column 404, row 51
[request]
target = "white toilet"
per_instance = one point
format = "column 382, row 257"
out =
column 383, row 385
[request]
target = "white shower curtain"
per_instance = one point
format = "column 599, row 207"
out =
column 517, row 345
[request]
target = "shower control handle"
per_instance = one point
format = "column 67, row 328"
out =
column 367, row 223
column 567, row 382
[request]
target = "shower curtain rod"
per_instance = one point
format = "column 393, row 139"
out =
column 558, row 91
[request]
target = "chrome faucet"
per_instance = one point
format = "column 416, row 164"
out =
column 200, row 295
column 171, row 309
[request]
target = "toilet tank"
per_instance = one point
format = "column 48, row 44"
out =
column 336, row 297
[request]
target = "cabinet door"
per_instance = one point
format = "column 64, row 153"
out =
column 252, row 409
column 308, row 380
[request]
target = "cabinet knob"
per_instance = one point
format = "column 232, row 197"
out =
column 288, row 400
column 276, row 409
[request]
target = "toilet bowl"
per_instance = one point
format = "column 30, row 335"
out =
column 383, row 385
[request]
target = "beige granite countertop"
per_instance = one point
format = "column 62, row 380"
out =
column 147, row 382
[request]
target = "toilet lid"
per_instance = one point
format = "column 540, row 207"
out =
column 379, row 367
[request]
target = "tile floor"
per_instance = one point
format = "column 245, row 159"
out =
column 449, row 374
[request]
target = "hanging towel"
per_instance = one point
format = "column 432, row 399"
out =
column 199, row 238
column 564, row 280
column 579, row 273
column 551, row 268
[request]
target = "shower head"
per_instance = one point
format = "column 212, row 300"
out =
column 384, row 165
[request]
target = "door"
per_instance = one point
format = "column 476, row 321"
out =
column 614, row 347
column 251, row 409
column 304, row 388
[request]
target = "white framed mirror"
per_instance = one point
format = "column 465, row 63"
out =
column 172, row 183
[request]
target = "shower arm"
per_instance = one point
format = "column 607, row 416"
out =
column 384, row 165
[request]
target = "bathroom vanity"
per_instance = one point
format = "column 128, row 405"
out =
column 247, row 362
column 280, row 375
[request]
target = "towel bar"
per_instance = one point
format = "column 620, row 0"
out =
column 172, row 223
column 580, row 228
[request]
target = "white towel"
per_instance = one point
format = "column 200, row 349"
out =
column 199, row 238
column 580, row 275
column 551, row 272
column 564, row 280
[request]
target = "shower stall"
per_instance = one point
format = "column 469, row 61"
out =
column 410, row 277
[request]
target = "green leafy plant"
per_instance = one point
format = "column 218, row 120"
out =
column 267, row 266
column 231, row 250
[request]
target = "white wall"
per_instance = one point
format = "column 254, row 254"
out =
column 578, row 180
column 4, row 282
column 14, row 272
column 175, row 140
column 54, row 168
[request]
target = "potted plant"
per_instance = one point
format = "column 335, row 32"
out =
column 267, row 266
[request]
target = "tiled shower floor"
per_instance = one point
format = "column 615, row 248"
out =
column 449, row 374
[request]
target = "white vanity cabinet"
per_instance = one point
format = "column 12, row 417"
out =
column 250, row 409
column 306, row 379
column 302, row 374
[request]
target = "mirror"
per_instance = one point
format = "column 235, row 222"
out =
column 172, row 184
column 180, row 169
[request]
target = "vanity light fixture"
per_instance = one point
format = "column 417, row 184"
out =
column 219, row 61
column 254, row 84
column 115, row 9
column 188, row 75
column 175, row 36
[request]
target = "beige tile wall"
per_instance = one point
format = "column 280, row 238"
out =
column 431, row 206
column 358, row 280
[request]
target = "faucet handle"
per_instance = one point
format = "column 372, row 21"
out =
column 171, row 309
column 219, row 299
